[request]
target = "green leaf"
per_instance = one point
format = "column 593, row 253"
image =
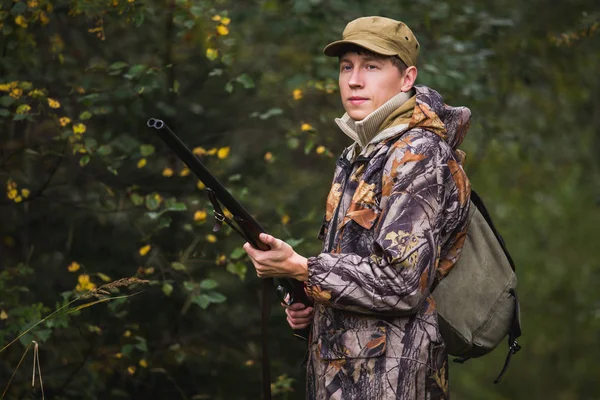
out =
column 152, row 202
column 147, row 150
column 238, row 252
column 138, row 20
column 163, row 222
column 176, row 86
column 202, row 300
column 176, row 207
column 178, row 266
column 239, row 268
column 83, row 161
column 308, row 146
column 4, row 112
column 208, row 284
column 6, row 101
column 167, row 289
column 246, row 81
column 229, row 87
column 118, row 65
column 234, row 178
column 104, row 150
column 216, row 297
column 19, row 8
column 136, row 199
column 85, row 115
column 112, row 170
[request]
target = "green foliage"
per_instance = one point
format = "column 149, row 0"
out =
column 91, row 195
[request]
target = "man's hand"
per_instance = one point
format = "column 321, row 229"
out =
column 299, row 316
column 279, row 262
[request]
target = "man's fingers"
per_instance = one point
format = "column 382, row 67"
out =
column 305, row 313
column 295, row 306
column 272, row 241
column 295, row 326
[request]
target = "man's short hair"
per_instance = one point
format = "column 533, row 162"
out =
column 353, row 48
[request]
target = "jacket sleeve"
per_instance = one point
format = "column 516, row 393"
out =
column 396, row 278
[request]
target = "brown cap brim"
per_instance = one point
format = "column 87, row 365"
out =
column 333, row 49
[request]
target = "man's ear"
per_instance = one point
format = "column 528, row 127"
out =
column 409, row 78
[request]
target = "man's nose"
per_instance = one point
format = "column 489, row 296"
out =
column 356, row 79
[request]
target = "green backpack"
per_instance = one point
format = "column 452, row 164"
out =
column 477, row 302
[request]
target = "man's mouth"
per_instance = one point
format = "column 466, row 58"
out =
column 357, row 100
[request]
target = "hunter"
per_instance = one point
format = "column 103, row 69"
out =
column 394, row 225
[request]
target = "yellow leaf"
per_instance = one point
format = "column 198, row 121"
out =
column 53, row 103
column 142, row 163
column 222, row 30
column 119, row 355
column 297, row 93
column 184, row 172
column 23, row 109
column 212, row 152
column 64, row 121
column 79, row 128
column 74, row 267
column 216, row 18
column 227, row 214
column 225, row 21
column 200, row 185
column 32, row 3
column 320, row 150
column 223, row 152
column 211, row 238
column 285, row 219
column 25, row 193
column 104, row 277
column 200, row 215
column 144, row 250
column 44, row 18
column 3, row 315
column 143, row 363
column 167, row 172
column 199, row 151
column 131, row 369
column 149, row 270
column 306, row 127
column 21, row 21
column 212, row 54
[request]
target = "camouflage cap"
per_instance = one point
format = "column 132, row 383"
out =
column 380, row 35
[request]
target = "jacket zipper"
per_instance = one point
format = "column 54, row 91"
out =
column 348, row 171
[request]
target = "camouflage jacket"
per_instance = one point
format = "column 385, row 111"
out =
column 395, row 222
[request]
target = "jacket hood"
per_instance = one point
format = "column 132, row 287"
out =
column 431, row 113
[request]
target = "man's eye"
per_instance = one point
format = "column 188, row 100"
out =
column 371, row 66
column 345, row 68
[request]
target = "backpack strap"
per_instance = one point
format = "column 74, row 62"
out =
column 513, row 333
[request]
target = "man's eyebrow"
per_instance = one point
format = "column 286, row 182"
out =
column 364, row 57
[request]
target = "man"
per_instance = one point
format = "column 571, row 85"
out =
column 395, row 223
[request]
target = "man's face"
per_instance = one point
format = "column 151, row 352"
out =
column 366, row 83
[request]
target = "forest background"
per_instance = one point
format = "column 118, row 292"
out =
column 91, row 197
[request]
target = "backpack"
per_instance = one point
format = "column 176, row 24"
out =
column 477, row 301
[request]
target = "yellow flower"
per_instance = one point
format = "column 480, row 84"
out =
column 297, row 93
column 53, row 103
column 227, row 214
column 12, row 194
column 18, row 199
column 144, row 250
column 225, row 21
column 119, row 355
column 5, row 87
column 3, row 315
column 32, row 3
column 306, row 127
column 149, row 270
column 249, row 363
column 285, row 219
column 79, row 128
column 16, row 93
column 223, row 152
column 131, row 1
column 131, row 369
column 212, row 54
column 36, row 93
column 64, row 121
column 143, row 363
column 84, row 283
column 25, row 193
column 320, row 150
column 167, row 172
column 21, row 21
column 211, row 238
column 199, row 151
column 10, row 184
column 211, row 152
column 200, row 215
column 200, row 185
column 73, row 267
column 216, row 18
column 127, row 333
column 141, row 163
column 221, row 259
column 222, row 30
column 184, row 172
column 268, row 156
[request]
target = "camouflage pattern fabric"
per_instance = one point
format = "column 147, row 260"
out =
column 401, row 208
